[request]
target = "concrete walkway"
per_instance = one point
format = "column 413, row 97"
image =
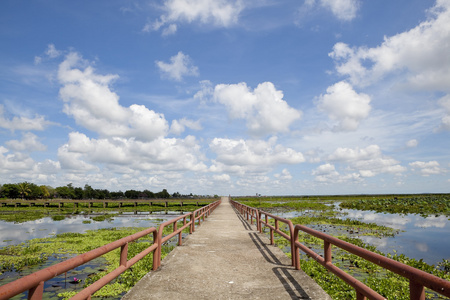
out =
column 226, row 258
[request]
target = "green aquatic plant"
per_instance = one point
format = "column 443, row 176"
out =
column 424, row 205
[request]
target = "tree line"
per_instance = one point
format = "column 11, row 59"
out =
column 30, row 191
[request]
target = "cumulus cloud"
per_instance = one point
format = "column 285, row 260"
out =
column 178, row 126
column 51, row 52
column 284, row 175
column 241, row 156
column 180, row 65
column 222, row 177
column 422, row 52
column 38, row 123
column 163, row 154
column 344, row 10
column 219, row 13
column 344, row 105
column 327, row 173
column 28, row 143
column 263, row 108
column 412, row 143
column 427, row 168
column 89, row 99
column 368, row 161
column 14, row 162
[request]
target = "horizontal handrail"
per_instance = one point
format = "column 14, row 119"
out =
column 34, row 282
column 418, row 279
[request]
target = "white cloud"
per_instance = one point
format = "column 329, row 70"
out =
column 129, row 155
column 180, row 65
column 178, row 127
column 22, row 122
column 412, row 143
column 427, row 168
column 345, row 106
column 444, row 102
column 263, row 108
column 368, row 161
column 240, row 156
column 327, row 173
column 422, row 52
column 219, row 13
column 28, row 143
column 14, row 162
column 52, row 52
column 284, row 175
column 344, row 10
column 222, row 177
column 88, row 98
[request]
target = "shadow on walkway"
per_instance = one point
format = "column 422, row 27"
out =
column 283, row 271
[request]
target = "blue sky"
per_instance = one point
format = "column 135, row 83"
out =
column 227, row 97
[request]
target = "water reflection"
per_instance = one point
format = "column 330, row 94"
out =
column 420, row 237
column 15, row 233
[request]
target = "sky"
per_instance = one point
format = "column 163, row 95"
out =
column 227, row 97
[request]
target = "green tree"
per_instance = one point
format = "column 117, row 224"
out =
column 45, row 192
column 89, row 192
column 163, row 194
column 24, row 189
column 10, row 190
column 35, row 192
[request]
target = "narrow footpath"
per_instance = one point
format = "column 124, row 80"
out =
column 226, row 258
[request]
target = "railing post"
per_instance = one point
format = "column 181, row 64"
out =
column 155, row 252
column 295, row 251
column 36, row 292
column 158, row 249
column 124, row 255
column 416, row 291
column 192, row 218
column 327, row 252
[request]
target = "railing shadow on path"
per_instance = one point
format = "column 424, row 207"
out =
column 282, row 271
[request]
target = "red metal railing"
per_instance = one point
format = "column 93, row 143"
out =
column 418, row 279
column 34, row 283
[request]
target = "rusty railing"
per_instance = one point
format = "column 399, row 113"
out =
column 418, row 279
column 34, row 283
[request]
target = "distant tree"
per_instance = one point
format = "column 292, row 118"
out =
column 35, row 192
column 132, row 194
column 24, row 189
column 9, row 190
column 102, row 194
column 45, row 192
column 66, row 192
column 148, row 194
column 88, row 192
column 78, row 193
column 117, row 195
column 176, row 195
column 163, row 194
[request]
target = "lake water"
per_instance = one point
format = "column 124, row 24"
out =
column 419, row 237
column 15, row 233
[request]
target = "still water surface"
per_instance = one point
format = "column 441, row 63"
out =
column 16, row 233
column 419, row 237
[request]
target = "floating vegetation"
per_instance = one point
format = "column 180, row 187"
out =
column 58, row 218
column 20, row 258
column 423, row 205
column 386, row 283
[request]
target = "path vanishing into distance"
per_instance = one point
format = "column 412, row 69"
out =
column 226, row 258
